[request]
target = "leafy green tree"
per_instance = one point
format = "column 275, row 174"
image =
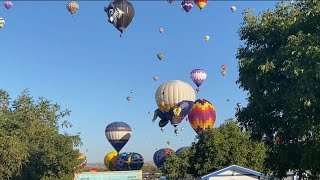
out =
column 279, row 66
column 177, row 166
column 30, row 143
column 225, row 146
column 148, row 168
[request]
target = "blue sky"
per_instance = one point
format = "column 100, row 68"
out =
column 82, row 64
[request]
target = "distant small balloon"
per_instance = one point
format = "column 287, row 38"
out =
column 160, row 56
column 233, row 8
column 182, row 129
column 223, row 73
column 155, row 78
column 224, row 67
column 228, row 100
column 8, row 4
column 206, row 38
column 168, row 142
column 162, row 129
column 161, row 30
column 2, row 22
column 131, row 91
column 129, row 98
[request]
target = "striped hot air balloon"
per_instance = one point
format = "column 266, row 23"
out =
column 82, row 159
column 159, row 156
column 118, row 134
column 198, row 76
column 201, row 3
column 2, row 22
column 202, row 115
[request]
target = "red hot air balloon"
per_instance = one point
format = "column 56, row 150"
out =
column 201, row 3
column 224, row 67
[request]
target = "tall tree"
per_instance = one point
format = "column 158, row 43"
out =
column 225, row 146
column 279, row 65
column 30, row 143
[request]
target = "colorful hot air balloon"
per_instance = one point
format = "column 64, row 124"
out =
column 224, row 67
column 201, row 3
column 72, row 7
column 174, row 99
column 118, row 134
column 128, row 98
column 8, row 4
column 110, row 161
column 160, row 56
column 182, row 149
column 2, row 22
column 120, row 14
column 129, row 161
column 223, row 73
column 82, row 159
column 207, row 38
column 186, row 5
column 159, row 157
column 202, row 116
column 198, row 76
column 170, row 1
column 155, row 78
column 161, row 30
column 233, row 8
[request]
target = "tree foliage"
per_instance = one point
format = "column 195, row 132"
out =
column 177, row 166
column 279, row 66
column 147, row 168
column 30, row 143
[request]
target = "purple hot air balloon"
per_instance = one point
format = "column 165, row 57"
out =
column 198, row 76
column 118, row 134
column 187, row 5
column 8, row 4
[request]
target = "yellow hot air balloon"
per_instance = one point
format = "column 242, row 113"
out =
column 110, row 161
column 207, row 38
column 73, row 7
column 223, row 73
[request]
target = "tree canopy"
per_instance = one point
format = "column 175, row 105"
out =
column 30, row 143
column 279, row 66
column 217, row 149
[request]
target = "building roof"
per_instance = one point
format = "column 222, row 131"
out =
column 233, row 167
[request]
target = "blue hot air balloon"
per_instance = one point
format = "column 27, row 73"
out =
column 182, row 149
column 159, row 157
column 118, row 134
column 129, row 161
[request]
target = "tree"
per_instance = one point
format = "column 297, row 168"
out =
column 225, row 146
column 147, row 168
column 177, row 166
column 30, row 143
column 279, row 66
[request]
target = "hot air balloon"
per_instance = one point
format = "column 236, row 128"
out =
column 2, row 22
column 160, row 56
column 8, row 4
column 72, row 7
column 224, row 67
column 110, row 161
column 155, row 78
column 131, row 91
column 233, row 8
column 207, row 38
column 129, row 98
column 82, row 159
column 168, row 142
column 238, row 106
column 182, row 149
column 159, row 157
column 170, row 1
column 201, row 3
column 223, row 73
column 94, row 170
column 118, row 134
column 202, row 116
column 198, row 76
column 174, row 99
column 186, row 5
column 161, row 30
column 129, row 161
column 120, row 14
column 182, row 129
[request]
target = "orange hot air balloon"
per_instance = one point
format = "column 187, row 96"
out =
column 202, row 116
column 201, row 3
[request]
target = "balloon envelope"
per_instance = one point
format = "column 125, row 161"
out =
column 206, row 38
column 94, row 170
column 159, row 156
column 186, row 5
column 129, row 161
column 8, row 4
column 160, row 56
column 2, row 22
column 110, row 161
column 72, row 7
column 82, row 159
column 198, row 76
column 202, row 116
column 182, row 149
column 118, row 134
column 201, row 3
column 120, row 14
